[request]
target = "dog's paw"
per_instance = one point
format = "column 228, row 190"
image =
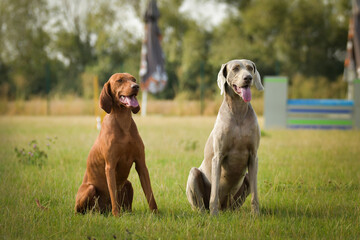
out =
column 115, row 213
column 255, row 210
column 214, row 212
column 214, row 207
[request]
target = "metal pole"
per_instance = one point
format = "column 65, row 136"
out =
column 144, row 103
column 202, row 74
column 48, row 80
column 96, row 102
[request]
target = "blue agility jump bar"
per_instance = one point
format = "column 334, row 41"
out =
column 329, row 111
column 324, row 127
column 320, row 102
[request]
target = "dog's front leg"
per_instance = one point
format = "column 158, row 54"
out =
column 146, row 185
column 111, row 182
column 215, row 181
column 253, row 168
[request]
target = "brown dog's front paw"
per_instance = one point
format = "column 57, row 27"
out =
column 155, row 211
column 153, row 206
column 115, row 213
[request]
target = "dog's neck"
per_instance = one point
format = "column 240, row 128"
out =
column 234, row 103
column 122, row 116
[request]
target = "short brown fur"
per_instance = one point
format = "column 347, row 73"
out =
column 118, row 146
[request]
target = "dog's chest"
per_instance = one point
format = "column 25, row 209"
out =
column 240, row 137
column 126, row 154
column 238, row 145
column 123, row 148
column 128, row 148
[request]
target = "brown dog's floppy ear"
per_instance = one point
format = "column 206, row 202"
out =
column 222, row 78
column 106, row 101
column 257, row 79
column 136, row 109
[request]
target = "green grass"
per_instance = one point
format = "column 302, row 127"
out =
column 309, row 184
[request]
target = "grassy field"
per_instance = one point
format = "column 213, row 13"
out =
column 309, row 184
column 75, row 106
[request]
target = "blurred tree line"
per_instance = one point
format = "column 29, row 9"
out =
column 72, row 41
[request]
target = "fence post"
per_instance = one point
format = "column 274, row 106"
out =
column 357, row 104
column 96, row 102
column 48, row 83
column 275, row 98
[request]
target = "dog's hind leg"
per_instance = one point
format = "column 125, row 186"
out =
column 85, row 198
column 241, row 195
column 198, row 190
column 125, row 196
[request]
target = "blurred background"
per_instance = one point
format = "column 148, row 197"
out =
column 52, row 50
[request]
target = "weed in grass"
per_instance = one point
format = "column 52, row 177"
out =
column 264, row 134
column 190, row 145
column 33, row 155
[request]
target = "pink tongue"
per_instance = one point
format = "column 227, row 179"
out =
column 246, row 94
column 132, row 101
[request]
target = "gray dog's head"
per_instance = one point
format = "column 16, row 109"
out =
column 239, row 75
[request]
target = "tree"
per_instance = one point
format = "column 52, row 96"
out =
column 23, row 43
column 93, row 40
column 195, row 70
column 285, row 37
column 91, row 36
column 310, row 36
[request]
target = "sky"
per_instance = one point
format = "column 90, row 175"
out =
column 206, row 12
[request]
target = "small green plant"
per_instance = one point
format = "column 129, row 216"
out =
column 34, row 155
column 264, row 134
column 190, row 145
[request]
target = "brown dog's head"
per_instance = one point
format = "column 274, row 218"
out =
column 120, row 90
column 239, row 75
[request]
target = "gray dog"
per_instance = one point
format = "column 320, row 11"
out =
column 221, row 181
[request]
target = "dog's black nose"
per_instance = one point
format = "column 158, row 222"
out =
column 248, row 78
column 135, row 86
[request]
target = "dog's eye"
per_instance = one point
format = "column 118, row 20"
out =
column 250, row 68
column 236, row 68
column 119, row 80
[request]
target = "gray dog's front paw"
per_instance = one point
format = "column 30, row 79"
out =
column 255, row 209
column 214, row 212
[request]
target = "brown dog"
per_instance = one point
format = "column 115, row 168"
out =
column 118, row 146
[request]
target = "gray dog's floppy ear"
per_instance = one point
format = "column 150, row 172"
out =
column 106, row 101
column 257, row 79
column 221, row 80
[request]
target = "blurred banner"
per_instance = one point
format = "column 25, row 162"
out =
column 352, row 60
column 152, row 70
